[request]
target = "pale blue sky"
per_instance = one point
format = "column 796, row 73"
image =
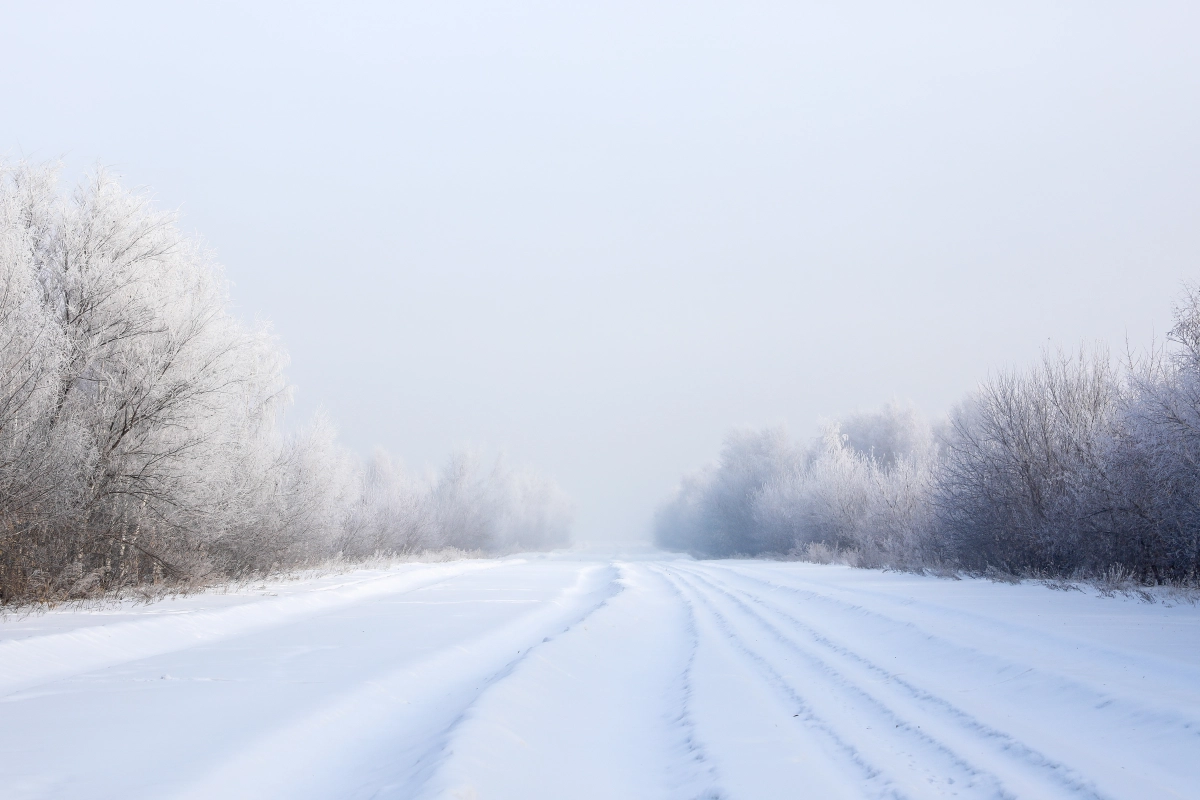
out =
column 597, row 235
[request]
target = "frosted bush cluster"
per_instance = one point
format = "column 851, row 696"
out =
column 862, row 484
column 1072, row 468
column 139, row 436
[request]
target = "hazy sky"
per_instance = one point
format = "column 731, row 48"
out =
column 598, row 235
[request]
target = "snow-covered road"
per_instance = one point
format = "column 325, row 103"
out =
column 585, row 676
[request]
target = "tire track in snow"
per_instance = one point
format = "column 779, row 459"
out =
column 31, row 662
column 974, row 742
column 687, row 682
column 427, row 763
column 385, row 738
column 911, row 754
column 865, row 772
column 1001, row 632
column 597, row 712
column 1053, row 741
column 697, row 753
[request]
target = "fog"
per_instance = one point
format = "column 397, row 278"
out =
column 595, row 237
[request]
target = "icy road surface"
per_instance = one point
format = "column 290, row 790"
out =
column 573, row 676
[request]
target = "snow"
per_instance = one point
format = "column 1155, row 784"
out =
column 585, row 675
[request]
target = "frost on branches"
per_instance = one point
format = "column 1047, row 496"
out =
column 139, row 436
column 1077, row 467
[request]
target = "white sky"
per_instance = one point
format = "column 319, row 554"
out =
column 597, row 235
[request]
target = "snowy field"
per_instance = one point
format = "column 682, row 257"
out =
column 582, row 676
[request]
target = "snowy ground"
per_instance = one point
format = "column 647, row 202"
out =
column 582, row 676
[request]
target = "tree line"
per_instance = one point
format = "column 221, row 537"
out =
column 140, row 435
column 1081, row 466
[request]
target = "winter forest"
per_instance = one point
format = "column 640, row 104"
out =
column 140, row 421
column 141, row 442
column 710, row 401
column 1083, row 466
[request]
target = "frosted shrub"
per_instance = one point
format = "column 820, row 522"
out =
column 894, row 433
column 869, row 482
column 392, row 512
column 823, row 497
column 536, row 513
column 1155, row 460
column 718, row 512
column 864, row 491
column 1071, row 469
column 900, row 530
column 497, row 510
column 464, row 507
column 1023, row 483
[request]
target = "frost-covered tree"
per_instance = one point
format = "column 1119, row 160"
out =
column 39, row 478
column 150, row 400
column 139, row 420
